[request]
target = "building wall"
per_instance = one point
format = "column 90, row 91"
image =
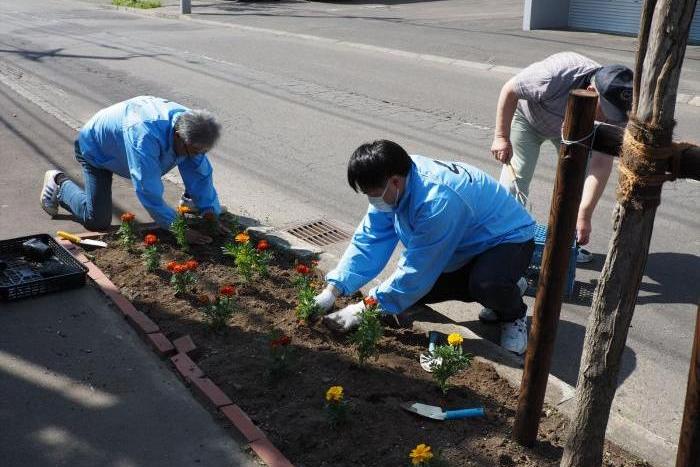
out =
column 545, row 14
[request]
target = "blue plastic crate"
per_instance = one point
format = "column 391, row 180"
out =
column 536, row 263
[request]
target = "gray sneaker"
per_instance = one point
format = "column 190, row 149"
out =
column 487, row 315
column 49, row 193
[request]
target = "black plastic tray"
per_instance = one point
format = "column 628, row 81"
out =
column 20, row 277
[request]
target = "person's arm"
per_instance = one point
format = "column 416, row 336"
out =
column 501, row 147
column 142, row 151
column 371, row 247
column 437, row 235
column 197, row 173
column 599, row 168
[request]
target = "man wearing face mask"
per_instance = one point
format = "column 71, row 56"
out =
column 465, row 237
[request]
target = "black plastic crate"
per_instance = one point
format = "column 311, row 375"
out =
column 20, row 278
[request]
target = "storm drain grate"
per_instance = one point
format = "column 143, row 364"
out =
column 320, row 232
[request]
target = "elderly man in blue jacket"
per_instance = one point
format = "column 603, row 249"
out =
column 141, row 139
column 465, row 237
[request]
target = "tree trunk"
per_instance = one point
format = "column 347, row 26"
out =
column 659, row 59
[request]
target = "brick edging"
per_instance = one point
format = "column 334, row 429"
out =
column 177, row 351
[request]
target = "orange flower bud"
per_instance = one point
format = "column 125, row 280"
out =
column 150, row 240
column 227, row 291
column 170, row 266
column 128, row 217
column 180, row 268
column 303, row 269
column 370, row 302
column 242, row 238
column 182, row 210
column 191, row 265
column 263, row 245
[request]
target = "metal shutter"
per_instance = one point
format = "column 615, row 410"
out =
column 619, row 16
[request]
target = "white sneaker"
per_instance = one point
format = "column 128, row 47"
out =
column 514, row 336
column 583, row 256
column 487, row 315
column 49, row 193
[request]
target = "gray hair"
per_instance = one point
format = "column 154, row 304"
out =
column 198, row 128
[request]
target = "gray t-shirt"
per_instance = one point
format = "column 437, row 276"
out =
column 543, row 89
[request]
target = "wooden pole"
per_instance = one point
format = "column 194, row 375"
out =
column 663, row 38
column 568, row 186
column 689, row 442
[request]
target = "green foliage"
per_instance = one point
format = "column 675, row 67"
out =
column 151, row 258
column 182, row 281
column 179, row 230
column 219, row 313
column 368, row 333
column 306, row 308
column 127, row 235
column 448, row 361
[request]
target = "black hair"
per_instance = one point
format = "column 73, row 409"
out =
column 372, row 164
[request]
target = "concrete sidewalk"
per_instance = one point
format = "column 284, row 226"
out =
column 79, row 387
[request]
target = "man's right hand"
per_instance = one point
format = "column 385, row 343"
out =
column 195, row 238
column 502, row 149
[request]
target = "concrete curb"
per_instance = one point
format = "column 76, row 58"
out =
column 687, row 99
column 202, row 387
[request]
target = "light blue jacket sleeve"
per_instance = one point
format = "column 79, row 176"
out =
column 371, row 247
column 197, row 173
column 439, row 228
column 142, row 151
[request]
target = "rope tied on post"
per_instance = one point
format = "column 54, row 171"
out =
column 648, row 159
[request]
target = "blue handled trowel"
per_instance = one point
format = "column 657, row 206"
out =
column 436, row 413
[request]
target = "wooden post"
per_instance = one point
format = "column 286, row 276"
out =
column 689, row 442
column 185, row 7
column 568, row 186
column 662, row 41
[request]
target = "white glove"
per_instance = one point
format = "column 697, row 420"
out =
column 326, row 299
column 346, row 319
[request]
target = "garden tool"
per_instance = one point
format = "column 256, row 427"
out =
column 80, row 241
column 436, row 413
column 427, row 361
column 519, row 195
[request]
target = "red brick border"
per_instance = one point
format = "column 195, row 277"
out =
column 204, row 387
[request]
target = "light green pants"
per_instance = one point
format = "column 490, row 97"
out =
column 526, row 143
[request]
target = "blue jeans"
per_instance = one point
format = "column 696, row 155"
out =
column 92, row 205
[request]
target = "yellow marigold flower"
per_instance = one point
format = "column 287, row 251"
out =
column 422, row 453
column 455, row 339
column 242, row 238
column 182, row 210
column 334, row 394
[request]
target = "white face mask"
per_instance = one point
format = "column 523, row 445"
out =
column 381, row 205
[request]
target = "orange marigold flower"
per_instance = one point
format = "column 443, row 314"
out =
column 150, row 240
column 203, row 299
column 128, row 217
column 191, row 265
column 227, row 291
column 263, row 245
column 242, row 238
column 370, row 301
column 180, row 268
column 303, row 269
column 280, row 342
column 182, row 210
column 170, row 266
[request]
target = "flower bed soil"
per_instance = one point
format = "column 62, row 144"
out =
column 290, row 409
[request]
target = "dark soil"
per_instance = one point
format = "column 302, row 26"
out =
column 290, row 408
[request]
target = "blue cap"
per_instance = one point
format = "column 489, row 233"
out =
column 614, row 85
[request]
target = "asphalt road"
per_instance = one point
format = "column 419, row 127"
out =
column 294, row 107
